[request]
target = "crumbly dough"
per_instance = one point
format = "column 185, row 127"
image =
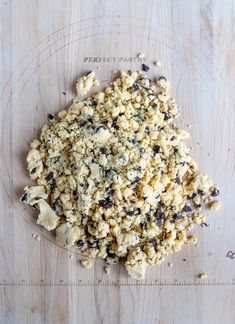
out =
column 87, row 264
column 85, row 83
column 202, row 276
column 215, row 205
column 107, row 270
column 115, row 177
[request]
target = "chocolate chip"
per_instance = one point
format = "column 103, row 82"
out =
column 55, row 206
column 94, row 244
column 156, row 148
column 191, row 197
column 49, row 176
column 80, row 243
column 103, row 150
column 187, row 208
column 132, row 139
column 167, row 115
column 110, row 254
column 53, row 184
column 143, row 225
column 33, row 170
column 177, row 180
column 55, row 159
column 130, row 213
column 162, row 205
column 114, row 124
column 50, row 117
column 64, row 93
column 201, row 192
column 162, row 78
column 83, row 123
column 24, row 198
column 148, row 218
column 135, row 87
column 108, row 173
column 159, row 222
column 106, row 203
column 152, row 242
column 89, row 119
column 184, row 260
column 158, row 213
column 138, row 211
column 145, row 68
column 100, row 127
column 110, row 190
column 137, row 179
column 215, row 192
column 175, row 150
column 94, row 103
column 178, row 216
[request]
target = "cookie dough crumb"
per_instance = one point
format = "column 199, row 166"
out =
column 215, row 205
column 36, row 237
column 85, row 83
column 170, row 264
column 47, row 217
column 157, row 63
column 107, row 270
column 87, row 264
column 141, row 55
column 192, row 239
column 202, row 276
column 136, row 264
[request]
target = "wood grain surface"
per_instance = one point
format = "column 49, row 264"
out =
column 45, row 46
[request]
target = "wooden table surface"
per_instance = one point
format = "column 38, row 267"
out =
column 45, row 46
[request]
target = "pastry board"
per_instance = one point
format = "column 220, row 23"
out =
column 46, row 47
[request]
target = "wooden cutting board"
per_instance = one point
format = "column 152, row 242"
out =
column 45, row 46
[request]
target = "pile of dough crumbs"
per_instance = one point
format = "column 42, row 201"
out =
column 115, row 177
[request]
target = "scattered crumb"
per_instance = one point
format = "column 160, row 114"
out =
column 229, row 149
column 107, row 270
column 96, row 83
column 87, row 264
column 170, row 264
column 184, row 260
column 85, row 83
column 98, row 67
column 157, row 63
column 64, row 93
column 209, row 154
column 141, row 55
column 215, row 205
column 70, row 256
column 199, row 143
column 202, row 276
column 36, row 237
column 205, row 225
column 192, row 239
column 189, row 125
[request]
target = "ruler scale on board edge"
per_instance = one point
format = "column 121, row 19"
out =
column 100, row 283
